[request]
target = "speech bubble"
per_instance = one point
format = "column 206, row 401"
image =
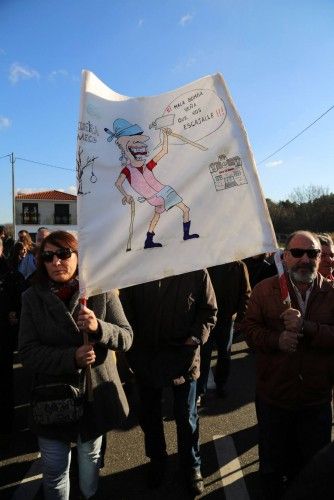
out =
column 197, row 114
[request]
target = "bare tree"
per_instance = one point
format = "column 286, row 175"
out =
column 82, row 164
column 307, row 194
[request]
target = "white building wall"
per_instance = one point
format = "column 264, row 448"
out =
column 46, row 209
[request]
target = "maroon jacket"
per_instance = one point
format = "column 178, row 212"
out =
column 302, row 378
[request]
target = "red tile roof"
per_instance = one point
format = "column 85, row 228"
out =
column 47, row 195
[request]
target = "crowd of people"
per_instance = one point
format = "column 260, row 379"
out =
column 164, row 333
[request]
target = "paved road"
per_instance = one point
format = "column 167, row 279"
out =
column 228, row 448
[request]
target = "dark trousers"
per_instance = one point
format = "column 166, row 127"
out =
column 6, row 381
column 186, row 419
column 316, row 480
column 222, row 339
column 288, row 439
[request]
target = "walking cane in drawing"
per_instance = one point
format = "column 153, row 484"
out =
column 168, row 121
column 133, row 146
column 133, row 210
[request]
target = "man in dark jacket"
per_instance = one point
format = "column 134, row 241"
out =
column 12, row 284
column 294, row 348
column 232, row 289
column 170, row 318
column 259, row 268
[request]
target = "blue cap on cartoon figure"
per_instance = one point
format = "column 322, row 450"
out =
column 123, row 127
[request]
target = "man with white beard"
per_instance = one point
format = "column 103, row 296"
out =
column 295, row 363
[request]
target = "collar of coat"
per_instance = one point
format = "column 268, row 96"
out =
column 56, row 307
column 320, row 285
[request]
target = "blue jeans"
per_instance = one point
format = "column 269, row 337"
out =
column 56, row 459
column 186, row 419
column 288, row 439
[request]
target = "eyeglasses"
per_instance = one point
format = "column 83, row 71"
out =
column 312, row 253
column 61, row 253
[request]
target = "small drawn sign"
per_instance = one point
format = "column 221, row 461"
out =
column 227, row 172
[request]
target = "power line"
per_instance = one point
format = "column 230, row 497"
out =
column 45, row 164
column 38, row 163
column 300, row 133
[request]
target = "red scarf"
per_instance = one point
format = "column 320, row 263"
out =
column 65, row 291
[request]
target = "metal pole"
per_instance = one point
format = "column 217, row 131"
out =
column 12, row 161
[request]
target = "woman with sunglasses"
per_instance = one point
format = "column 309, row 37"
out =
column 51, row 346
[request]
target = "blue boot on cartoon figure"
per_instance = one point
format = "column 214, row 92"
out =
column 149, row 243
column 186, row 229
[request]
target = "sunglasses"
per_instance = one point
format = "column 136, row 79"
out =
column 61, row 253
column 312, row 253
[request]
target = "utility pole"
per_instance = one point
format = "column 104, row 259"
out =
column 12, row 161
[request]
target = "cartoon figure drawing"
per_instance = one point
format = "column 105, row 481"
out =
column 134, row 150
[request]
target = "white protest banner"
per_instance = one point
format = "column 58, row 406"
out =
column 166, row 184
